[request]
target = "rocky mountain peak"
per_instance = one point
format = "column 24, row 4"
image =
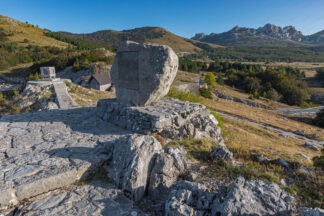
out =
column 199, row 36
column 269, row 34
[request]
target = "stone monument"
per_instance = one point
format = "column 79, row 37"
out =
column 143, row 73
column 47, row 73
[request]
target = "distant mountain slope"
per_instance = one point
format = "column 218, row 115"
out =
column 145, row 34
column 26, row 34
column 268, row 35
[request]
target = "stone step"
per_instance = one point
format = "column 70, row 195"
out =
column 64, row 99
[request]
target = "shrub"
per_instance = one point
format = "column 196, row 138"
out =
column 220, row 80
column 33, row 76
column 320, row 74
column 319, row 161
column 210, row 79
column 219, row 119
column 205, row 93
column 183, row 95
column 319, row 120
column 272, row 94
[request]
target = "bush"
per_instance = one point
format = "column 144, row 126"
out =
column 219, row 119
column 319, row 120
column 272, row 94
column 205, row 93
column 319, row 161
column 33, row 76
column 183, row 95
column 210, row 79
column 320, row 74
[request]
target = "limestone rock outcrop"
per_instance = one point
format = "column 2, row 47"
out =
column 169, row 117
column 242, row 197
column 168, row 166
column 246, row 197
column 143, row 73
column 132, row 161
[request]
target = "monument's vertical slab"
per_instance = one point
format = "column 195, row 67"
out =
column 143, row 73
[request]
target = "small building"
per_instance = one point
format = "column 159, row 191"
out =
column 100, row 82
column 48, row 73
column 84, row 81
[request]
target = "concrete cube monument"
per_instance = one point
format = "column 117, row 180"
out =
column 48, row 73
column 143, row 73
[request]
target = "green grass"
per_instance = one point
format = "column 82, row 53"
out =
column 197, row 149
column 183, row 95
column 250, row 170
column 99, row 174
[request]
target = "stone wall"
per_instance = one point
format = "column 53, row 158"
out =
column 169, row 117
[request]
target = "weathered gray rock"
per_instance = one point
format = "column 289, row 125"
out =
column 253, row 197
column 131, row 164
column 44, row 151
column 97, row 198
column 266, row 160
column 303, row 156
column 143, row 73
column 310, row 146
column 183, row 199
column 310, row 212
column 222, row 153
column 168, row 166
column 169, row 117
column 242, row 197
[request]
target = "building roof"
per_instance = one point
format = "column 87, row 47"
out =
column 102, row 79
column 85, row 78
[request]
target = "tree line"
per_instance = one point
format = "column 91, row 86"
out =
column 264, row 54
column 285, row 84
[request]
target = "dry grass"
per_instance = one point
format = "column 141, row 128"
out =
column 20, row 31
column 262, row 115
column 87, row 97
column 20, row 70
column 243, row 137
column 255, row 114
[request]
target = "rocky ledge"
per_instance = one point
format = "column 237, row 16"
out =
column 169, row 117
column 43, row 156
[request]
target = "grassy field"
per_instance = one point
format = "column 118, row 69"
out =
column 87, row 97
column 27, row 34
column 251, row 136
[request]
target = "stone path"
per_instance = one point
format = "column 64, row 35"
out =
column 45, row 152
column 63, row 97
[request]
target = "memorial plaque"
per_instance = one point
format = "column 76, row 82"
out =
column 128, row 70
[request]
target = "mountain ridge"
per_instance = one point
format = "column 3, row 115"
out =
column 268, row 35
column 143, row 34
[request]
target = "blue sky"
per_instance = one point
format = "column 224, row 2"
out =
column 182, row 17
